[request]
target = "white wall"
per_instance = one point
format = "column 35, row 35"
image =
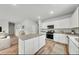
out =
column 29, row 27
column 75, row 18
column 4, row 24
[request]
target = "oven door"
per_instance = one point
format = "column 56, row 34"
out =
column 50, row 36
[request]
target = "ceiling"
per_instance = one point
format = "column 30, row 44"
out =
column 21, row 12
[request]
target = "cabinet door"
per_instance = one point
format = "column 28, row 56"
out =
column 31, row 45
column 36, row 48
column 27, row 47
column 21, row 46
column 56, row 37
column 41, row 41
column 63, row 23
column 73, row 49
column 61, row 38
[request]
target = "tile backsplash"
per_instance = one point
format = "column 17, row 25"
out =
column 68, row 30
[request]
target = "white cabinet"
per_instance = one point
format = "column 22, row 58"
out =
column 41, row 41
column 63, row 23
column 32, row 45
column 27, row 48
column 73, row 49
column 29, row 45
column 21, row 46
column 62, row 38
column 75, row 18
column 56, row 37
column 36, row 44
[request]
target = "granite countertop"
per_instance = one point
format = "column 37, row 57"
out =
column 68, row 34
column 73, row 37
column 30, row 36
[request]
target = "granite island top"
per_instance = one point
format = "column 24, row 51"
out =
column 30, row 36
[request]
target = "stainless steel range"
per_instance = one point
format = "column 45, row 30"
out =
column 49, row 34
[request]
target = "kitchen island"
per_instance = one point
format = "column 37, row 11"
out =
column 30, row 44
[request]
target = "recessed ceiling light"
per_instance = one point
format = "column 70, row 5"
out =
column 14, row 4
column 51, row 12
column 38, row 17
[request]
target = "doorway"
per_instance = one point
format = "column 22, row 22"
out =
column 11, row 28
column 13, row 37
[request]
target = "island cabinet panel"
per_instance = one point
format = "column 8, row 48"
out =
column 21, row 46
column 29, row 46
column 41, row 41
column 32, row 45
column 36, row 45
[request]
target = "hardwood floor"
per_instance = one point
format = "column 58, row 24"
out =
column 50, row 48
column 13, row 50
column 53, row 48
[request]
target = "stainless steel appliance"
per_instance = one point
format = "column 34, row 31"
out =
column 49, row 35
column 50, row 31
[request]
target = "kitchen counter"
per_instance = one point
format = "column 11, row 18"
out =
column 26, row 37
column 72, row 37
column 68, row 34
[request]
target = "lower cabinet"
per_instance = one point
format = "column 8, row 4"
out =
column 21, row 46
column 28, row 46
column 35, row 45
column 41, row 41
column 62, row 38
column 31, row 46
column 73, row 49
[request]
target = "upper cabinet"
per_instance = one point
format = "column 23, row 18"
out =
column 75, row 18
column 64, row 23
